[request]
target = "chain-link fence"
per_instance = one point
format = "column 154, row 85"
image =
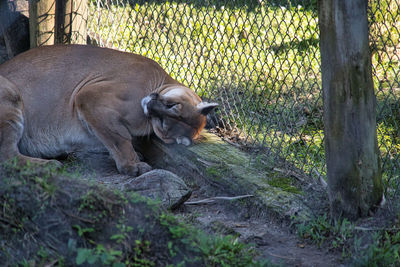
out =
column 384, row 18
column 260, row 60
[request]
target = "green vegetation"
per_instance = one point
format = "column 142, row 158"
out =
column 384, row 250
column 385, row 43
column 356, row 245
column 47, row 218
column 218, row 251
column 284, row 183
column 385, row 35
column 323, row 232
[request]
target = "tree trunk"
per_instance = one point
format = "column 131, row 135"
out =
column 352, row 155
column 58, row 22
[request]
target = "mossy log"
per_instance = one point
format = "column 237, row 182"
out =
column 219, row 168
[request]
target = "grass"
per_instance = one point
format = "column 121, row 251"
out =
column 385, row 43
column 359, row 246
column 217, row 251
column 322, row 231
column 261, row 62
column 384, row 250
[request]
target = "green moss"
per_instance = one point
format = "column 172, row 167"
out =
column 217, row 171
column 245, row 173
column 286, row 184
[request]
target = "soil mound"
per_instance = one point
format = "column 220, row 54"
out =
column 52, row 218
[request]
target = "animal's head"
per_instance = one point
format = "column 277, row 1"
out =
column 177, row 115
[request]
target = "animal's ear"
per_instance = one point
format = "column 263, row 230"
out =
column 204, row 108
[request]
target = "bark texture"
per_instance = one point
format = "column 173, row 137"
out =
column 42, row 22
column 58, row 22
column 71, row 21
column 352, row 155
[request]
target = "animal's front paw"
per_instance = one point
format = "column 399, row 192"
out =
column 37, row 162
column 143, row 167
column 135, row 169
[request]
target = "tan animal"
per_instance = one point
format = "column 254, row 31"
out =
column 62, row 99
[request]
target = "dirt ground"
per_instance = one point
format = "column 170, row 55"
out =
column 274, row 240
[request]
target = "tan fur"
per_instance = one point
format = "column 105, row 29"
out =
column 61, row 99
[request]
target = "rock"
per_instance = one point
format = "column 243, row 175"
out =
column 157, row 184
column 161, row 185
column 14, row 29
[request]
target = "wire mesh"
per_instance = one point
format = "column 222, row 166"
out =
column 260, row 60
column 385, row 45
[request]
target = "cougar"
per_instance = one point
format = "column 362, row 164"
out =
column 61, row 99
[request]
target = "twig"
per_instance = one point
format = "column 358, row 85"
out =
column 232, row 143
column 8, row 222
column 383, row 201
column 212, row 199
column 205, row 162
column 321, row 180
column 291, row 173
column 78, row 217
column 360, row 228
column 279, row 256
column 51, row 263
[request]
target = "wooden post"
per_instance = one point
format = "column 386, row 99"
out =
column 71, row 21
column 58, row 21
column 41, row 22
column 352, row 155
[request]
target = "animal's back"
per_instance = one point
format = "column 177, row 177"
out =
column 49, row 77
column 59, row 69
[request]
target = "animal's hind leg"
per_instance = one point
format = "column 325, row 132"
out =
column 11, row 119
column 12, row 125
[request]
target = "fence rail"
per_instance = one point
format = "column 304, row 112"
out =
column 260, row 60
